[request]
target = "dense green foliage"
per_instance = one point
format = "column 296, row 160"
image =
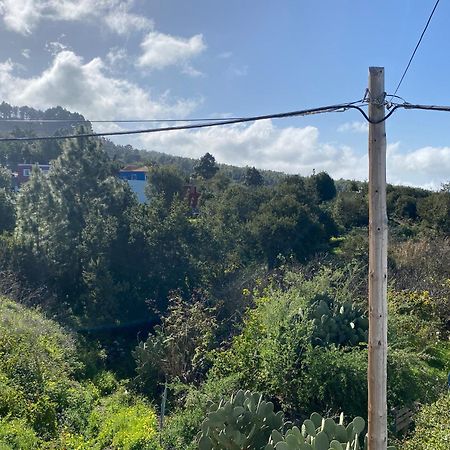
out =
column 232, row 424
column 46, row 400
column 432, row 430
column 206, row 167
column 262, row 286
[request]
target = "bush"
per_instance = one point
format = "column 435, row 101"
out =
column 37, row 370
column 351, row 209
column 277, row 352
column 183, row 424
column 432, row 427
column 422, row 265
column 408, row 311
column 42, row 403
column 122, row 421
column 178, row 348
column 16, row 434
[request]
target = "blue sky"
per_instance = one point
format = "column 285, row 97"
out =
column 172, row 58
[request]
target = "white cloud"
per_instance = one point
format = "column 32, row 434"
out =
column 187, row 69
column 426, row 166
column 55, row 47
column 116, row 56
column 162, row 50
column 9, row 65
column 87, row 89
column 20, row 15
column 123, row 22
column 225, row 55
column 300, row 150
column 23, row 16
column 235, row 71
column 291, row 149
column 26, row 52
column 354, row 127
column 6, row 66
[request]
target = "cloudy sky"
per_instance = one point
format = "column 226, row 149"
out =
column 128, row 59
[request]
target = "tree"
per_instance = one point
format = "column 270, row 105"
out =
column 7, row 213
column 165, row 247
column 295, row 185
column 435, row 210
column 406, row 206
column 178, row 348
column 5, row 110
column 75, row 222
column 351, row 209
column 253, row 177
column 286, row 227
column 167, row 181
column 35, row 209
column 322, row 186
column 206, row 167
column 5, row 178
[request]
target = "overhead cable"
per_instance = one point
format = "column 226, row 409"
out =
column 415, row 49
column 14, row 120
column 424, row 107
column 305, row 112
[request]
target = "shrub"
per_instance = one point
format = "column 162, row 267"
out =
column 122, row 421
column 408, row 311
column 422, row 265
column 16, row 434
column 183, row 424
column 277, row 353
column 178, row 347
column 37, row 369
column 432, row 427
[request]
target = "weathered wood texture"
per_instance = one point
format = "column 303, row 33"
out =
column 377, row 373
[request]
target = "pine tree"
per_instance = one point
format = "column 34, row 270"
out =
column 253, row 177
column 207, row 167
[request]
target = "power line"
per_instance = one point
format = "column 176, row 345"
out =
column 320, row 110
column 305, row 112
column 417, row 46
column 14, row 120
column 424, row 107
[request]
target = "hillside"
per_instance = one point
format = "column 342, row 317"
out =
column 48, row 401
column 123, row 154
column 14, row 120
column 241, row 320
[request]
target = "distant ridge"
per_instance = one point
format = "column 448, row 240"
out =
column 9, row 112
column 123, row 154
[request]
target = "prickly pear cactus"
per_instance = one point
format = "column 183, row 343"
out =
column 337, row 323
column 245, row 421
column 318, row 433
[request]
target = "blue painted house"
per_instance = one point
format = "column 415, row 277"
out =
column 137, row 179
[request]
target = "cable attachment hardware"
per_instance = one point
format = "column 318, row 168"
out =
column 377, row 101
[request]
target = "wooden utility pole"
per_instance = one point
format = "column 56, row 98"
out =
column 377, row 372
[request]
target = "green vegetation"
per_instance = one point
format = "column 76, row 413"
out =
column 432, row 430
column 46, row 399
column 164, row 316
column 245, row 421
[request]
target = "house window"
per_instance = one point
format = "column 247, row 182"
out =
column 26, row 172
